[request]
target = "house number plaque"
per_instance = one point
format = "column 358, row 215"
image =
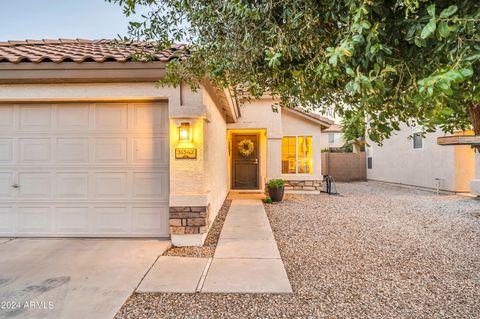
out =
column 186, row 153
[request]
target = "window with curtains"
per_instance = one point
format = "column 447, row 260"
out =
column 297, row 155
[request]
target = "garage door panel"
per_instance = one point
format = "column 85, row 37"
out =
column 6, row 182
column 6, row 117
column 36, row 117
column 73, row 220
column 73, row 117
column 91, row 169
column 34, row 185
column 111, row 150
column 7, row 220
column 111, row 220
column 6, row 150
column 73, row 150
column 150, row 150
column 150, row 185
column 146, row 219
column 111, row 116
column 35, row 220
column 111, row 185
column 148, row 116
column 35, row 150
column 71, row 185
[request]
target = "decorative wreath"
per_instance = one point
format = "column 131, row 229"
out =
column 246, row 147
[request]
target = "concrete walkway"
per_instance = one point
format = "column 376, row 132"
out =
column 246, row 260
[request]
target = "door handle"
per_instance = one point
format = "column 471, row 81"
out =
column 16, row 186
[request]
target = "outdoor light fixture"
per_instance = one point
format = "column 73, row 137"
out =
column 185, row 132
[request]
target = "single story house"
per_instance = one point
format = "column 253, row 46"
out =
column 410, row 157
column 91, row 147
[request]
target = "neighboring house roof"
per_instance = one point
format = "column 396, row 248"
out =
column 79, row 50
column 334, row 128
column 323, row 121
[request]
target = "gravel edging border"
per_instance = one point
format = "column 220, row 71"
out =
column 210, row 244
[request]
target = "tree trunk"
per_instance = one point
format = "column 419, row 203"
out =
column 474, row 109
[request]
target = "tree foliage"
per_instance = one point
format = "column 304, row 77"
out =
column 411, row 61
column 353, row 125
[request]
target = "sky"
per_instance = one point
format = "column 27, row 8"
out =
column 53, row 19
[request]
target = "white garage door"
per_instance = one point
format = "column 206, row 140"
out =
column 84, row 169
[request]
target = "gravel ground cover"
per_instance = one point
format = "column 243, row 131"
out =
column 208, row 248
column 379, row 251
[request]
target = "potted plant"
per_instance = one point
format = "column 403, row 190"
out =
column 276, row 188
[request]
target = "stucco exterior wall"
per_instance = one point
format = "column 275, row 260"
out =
column 475, row 183
column 274, row 167
column 187, row 176
column 258, row 114
column 464, row 167
column 398, row 162
column 216, row 156
column 90, row 91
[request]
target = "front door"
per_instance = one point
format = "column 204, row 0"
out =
column 245, row 164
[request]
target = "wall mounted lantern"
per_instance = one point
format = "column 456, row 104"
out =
column 185, row 132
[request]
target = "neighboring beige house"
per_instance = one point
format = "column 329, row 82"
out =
column 409, row 158
column 332, row 137
column 90, row 147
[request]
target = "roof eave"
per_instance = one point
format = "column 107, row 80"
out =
column 72, row 72
column 227, row 105
column 323, row 123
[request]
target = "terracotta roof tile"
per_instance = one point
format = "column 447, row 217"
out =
column 81, row 50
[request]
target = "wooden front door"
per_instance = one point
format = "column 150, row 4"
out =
column 245, row 166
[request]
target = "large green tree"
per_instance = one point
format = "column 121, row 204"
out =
column 411, row 61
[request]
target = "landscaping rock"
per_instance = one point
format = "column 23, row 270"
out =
column 379, row 251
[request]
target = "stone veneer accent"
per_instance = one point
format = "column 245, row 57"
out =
column 304, row 185
column 186, row 220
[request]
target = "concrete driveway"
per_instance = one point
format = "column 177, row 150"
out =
column 72, row 278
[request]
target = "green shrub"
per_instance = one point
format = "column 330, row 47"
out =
column 268, row 200
column 276, row 183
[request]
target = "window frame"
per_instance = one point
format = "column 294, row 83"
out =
column 418, row 131
column 331, row 135
column 369, row 151
column 336, row 138
column 296, row 154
